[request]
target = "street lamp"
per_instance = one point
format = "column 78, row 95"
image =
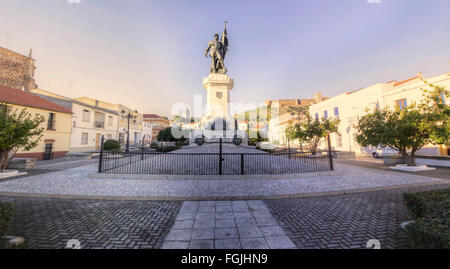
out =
column 128, row 116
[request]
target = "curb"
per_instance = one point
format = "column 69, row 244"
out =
column 212, row 177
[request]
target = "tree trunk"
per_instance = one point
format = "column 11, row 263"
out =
column 4, row 160
column 313, row 148
column 410, row 159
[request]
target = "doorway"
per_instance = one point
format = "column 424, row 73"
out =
column 48, row 151
column 97, row 141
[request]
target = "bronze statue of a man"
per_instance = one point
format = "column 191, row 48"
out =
column 217, row 51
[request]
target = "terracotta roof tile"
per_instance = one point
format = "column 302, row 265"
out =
column 405, row 81
column 153, row 116
column 19, row 97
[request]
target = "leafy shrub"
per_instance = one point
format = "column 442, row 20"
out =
column 111, row 145
column 431, row 210
column 154, row 144
column 432, row 203
column 167, row 148
column 429, row 233
column 6, row 213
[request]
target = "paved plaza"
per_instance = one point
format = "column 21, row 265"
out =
column 339, row 221
column 82, row 181
column 343, row 209
column 226, row 225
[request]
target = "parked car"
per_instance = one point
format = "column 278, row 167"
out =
column 380, row 151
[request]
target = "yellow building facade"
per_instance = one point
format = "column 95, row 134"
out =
column 57, row 125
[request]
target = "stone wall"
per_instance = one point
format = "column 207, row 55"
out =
column 16, row 70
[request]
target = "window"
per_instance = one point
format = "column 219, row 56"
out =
column 121, row 137
column 109, row 137
column 401, row 104
column 84, row 138
column 317, row 116
column 110, row 120
column 86, row 116
column 51, row 121
column 325, row 114
column 336, row 112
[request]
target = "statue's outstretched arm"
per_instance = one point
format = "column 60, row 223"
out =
column 207, row 49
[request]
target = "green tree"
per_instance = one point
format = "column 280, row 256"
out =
column 410, row 129
column 18, row 130
column 165, row 135
column 297, row 112
column 438, row 112
column 310, row 131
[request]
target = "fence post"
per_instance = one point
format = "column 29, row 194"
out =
column 289, row 149
column 220, row 156
column 242, row 164
column 330, row 153
column 142, row 150
column 100, row 160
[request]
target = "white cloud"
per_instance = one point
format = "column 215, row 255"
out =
column 374, row 1
column 74, row 1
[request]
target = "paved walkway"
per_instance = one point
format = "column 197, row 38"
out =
column 440, row 172
column 226, row 225
column 214, row 148
column 346, row 221
column 340, row 221
column 75, row 182
column 50, row 223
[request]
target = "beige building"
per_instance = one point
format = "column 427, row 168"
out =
column 89, row 123
column 136, row 119
column 157, row 122
column 57, row 125
column 349, row 106
column 281, row 119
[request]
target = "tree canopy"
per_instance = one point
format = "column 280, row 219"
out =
column 410, row 129
column 18, row 130
column 310, row 131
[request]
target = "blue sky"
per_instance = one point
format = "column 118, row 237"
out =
column 149, row 54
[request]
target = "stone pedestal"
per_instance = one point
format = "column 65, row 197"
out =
column 217, row 122
column 218, row 87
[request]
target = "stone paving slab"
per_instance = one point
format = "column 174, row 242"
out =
column 240, row 227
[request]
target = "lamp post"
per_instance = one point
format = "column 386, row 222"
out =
column 128, row 116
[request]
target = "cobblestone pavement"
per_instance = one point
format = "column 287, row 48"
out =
column 45, row 167
column 440, row 172
column 226, row 225
column 50, row 223
column 341, row 221
column 345, row 221
column 63, row 165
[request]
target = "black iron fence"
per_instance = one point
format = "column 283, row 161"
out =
column 212, row 163
column 142, row 162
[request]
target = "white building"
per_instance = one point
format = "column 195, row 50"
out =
column 349, row 106
column 89, row 123
column 147, row 132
